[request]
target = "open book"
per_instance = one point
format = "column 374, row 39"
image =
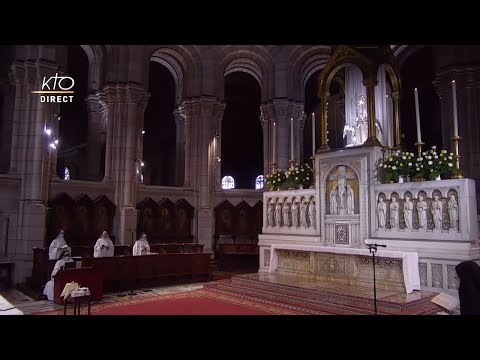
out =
column 446, row 301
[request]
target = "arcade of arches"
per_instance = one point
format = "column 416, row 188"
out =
column 152, row 130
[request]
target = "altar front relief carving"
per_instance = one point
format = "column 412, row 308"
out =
column 292, row 211
column 409, row 213
column 433, row 210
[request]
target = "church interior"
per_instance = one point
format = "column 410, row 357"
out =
column 269, row 179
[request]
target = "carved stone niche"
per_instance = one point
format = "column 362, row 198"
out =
column 104, row 213
column 183, row 221
column 148, row 218
column 166, row 225
column 342, row 191
column 83, row 230
column 258, row 217
column 60, row 216
column 243, row 223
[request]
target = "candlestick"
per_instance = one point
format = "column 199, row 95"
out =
column 274, row 141
column 417, row 112
column 291, row 138
column 420, row 176
column 313, row 134
column 455, row 119
column 457, row 173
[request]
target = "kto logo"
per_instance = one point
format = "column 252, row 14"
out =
column 56, row 85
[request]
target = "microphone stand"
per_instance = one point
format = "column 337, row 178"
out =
column 373, row 250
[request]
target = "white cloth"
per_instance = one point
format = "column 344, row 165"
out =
column 57, row 247
column 141, row 247
column 103, row 248
column 411, row 274
column 49, row 286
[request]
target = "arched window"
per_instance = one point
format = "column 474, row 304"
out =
column 66, row 173
column 259, row 182
column 228, row 182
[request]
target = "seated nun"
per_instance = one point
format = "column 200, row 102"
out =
column 59, row 265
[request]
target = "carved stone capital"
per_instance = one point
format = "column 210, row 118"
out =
column 102, row 101
column 370, row 83
column 186, row 108
column 17, row 73
column 134, row 94
column 92, row 103
column 395, row 95
column 179, row 118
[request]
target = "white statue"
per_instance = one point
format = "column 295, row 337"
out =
column 408, row 212
column 381, row 212
column 303, row 213
column 333, row 201
column 350, row 200
column 394, row 219
column 278, row 214
column 342, row 188
column 422, row 212
column 295, row 213
column 270, row 213
column 286, row 213
column 453, row 212
column 312, row 212
column 437, row 210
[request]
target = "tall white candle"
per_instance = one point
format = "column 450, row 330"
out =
column 313, row 134
column 417, row 112
column 455, row 119
column 291, row 138
column 274, row 141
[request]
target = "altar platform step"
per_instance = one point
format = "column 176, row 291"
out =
column 315, row 297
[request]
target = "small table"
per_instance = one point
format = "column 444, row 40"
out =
column 77, row 302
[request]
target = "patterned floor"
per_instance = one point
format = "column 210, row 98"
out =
column 286, row 293
column 30, row 306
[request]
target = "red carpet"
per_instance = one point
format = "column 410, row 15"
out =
column 198, row 302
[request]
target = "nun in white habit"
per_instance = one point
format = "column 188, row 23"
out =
column 60, row 264
column 57, row 246
column 141, row 246
column 103, row 246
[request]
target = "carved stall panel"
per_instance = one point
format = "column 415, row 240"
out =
column 60, row 216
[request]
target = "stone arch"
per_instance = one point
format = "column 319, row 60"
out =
column 175, row 64
column 254, row 59
column 95, row 56
column 306, row 60
column 183, row 62
column 245, row 65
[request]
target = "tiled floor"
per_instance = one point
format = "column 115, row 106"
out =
column 30, row 306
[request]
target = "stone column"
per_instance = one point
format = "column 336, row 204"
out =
column 180, row 147
column 17, row 78
column 186, row 110
column 396, row 119
column 211, row 111
column 372, row 131
column 94, row 140
column 108, row 97
column 281, row 111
